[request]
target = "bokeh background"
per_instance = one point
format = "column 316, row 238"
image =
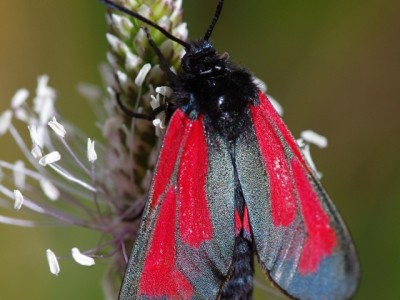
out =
column 333, row 65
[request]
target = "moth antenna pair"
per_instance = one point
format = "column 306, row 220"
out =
column 186, row 45
column 164, row 64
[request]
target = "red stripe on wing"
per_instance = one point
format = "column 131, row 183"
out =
column 321, row 238
column 246, row 224
column 283, row 201
column 169, row 154
column 277, row 121
column 194, row 219
column 160, row 277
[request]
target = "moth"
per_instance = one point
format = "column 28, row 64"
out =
column 232, row 185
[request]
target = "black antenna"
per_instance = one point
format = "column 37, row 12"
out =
column 214, row 20
column 147, row 21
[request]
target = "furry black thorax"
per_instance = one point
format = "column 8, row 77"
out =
column 215, row 87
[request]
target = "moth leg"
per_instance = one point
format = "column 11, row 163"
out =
column 128, row 112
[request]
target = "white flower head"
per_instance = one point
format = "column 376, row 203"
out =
column 18, row 199
column 50, row 158
column 57, row 127
column 142, row 74
column 5, row 121
column 91, row 152
column 19, row 98
column 85, row 199
column 82, row 259
column 53, row 262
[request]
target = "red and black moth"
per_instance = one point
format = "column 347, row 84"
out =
column 231, row 184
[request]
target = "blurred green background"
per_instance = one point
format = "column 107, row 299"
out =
column 333, row 65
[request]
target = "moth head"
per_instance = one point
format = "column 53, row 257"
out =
column 201, row 59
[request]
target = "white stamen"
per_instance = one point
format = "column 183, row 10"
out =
column 36, row 152
column 44, row 100
column 178, row 4
column 132, row 61
column 43, row 90
column 155, row 101
column 82, row 259
column 276, row 105
column 314, row 138
column 53, row 262
column 89, row 91
column 19, row 98
column 165, row 22
column 144, row 11
column 57, row 127
column 49, row 189
column 122, row 24
column 112, row 59
column 36, row 136
column 142, row 74
column 177, row 12
column 91, row 152
column 122, row 78
column 131, row 4
column 111, row 125
column 116, row 45
column 159, row 124
column 5, row 121
column 47, row 110
column 19, row 199
column 19, row 174
column 181, row 31
column 165, row 91
column 260, row 84
column 50, row 158
column 21, row 114
column 305, row 149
